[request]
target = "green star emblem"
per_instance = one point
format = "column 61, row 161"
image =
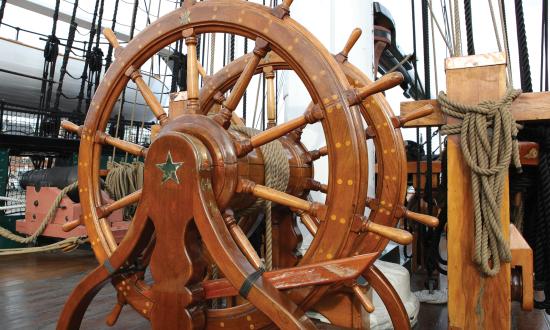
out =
column 169, row 169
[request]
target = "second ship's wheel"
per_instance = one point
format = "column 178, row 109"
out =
column 383, row 128
column 196, row 170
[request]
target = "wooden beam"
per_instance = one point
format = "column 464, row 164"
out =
column 527, row 107
column 475, row 301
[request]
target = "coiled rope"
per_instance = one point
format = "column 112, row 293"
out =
column 277, row 175
column 488, row 139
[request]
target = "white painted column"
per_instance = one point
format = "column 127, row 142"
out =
column 331, row 22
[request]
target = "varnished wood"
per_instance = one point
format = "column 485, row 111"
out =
column 260, row 50
column 271, row 102
column 104, row 138
column 475, row 301
column 106, row 210
column 192, row 71
column 308, row 222
column 242, row 241
column 305, row 58
column 111, row 37
column 386, row 82
column 311, row 116
column 352, row 40
column 285, row 279
column 522, row 257
column 313, row 208
column 423, row 111
column 148, row 95
column 527, row 107
column 362, row 296
column 396, row 235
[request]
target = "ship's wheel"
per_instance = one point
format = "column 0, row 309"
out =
column 199, row 174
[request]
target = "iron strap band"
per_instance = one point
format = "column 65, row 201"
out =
column 109, row 267
column 249, row 282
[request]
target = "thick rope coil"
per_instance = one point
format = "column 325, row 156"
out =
column 277, row 175
column 124, row 179
column 47, row 219
column 488, row 139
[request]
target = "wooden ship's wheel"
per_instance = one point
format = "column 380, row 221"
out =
column 383, row 128
column 198, row 174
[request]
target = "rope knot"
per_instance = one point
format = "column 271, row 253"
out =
column 488, row 140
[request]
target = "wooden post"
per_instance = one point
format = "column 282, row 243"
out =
column 475, row 301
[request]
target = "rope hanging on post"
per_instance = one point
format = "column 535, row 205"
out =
column 488, row 140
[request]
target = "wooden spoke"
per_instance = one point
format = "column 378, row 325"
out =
column 129, row 147
column 402, row 211
column 308, row 221
column 259, row 191
column 396, row 235
column 424, row 111
column 352, row 40
column 104, row 138
column 105, row 210
column 148, row 95
column 112, row 318
column 311, row 116
column 72, row 127
column 316, row 186
column 71, row 225
column 111, row 37
column 363, row 299
column 225, row 114
column 242, row 241
column 283, row 9
column 390, row 80
column 271, row 102
column 192, row 71
column 202, row 71
column 316, row 154
column 424, row 219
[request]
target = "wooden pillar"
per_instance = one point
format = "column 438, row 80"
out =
column 475, row 301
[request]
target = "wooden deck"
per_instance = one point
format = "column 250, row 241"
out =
column 33, row 289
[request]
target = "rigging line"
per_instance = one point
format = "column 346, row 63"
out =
column 449, row 47
column 469, row 27
column 245, row 92
column 458, row 36
column 212, row 52
column 427, row 95
column 504, row 26
column 497, row 37
column 255, row 120
column 134, row 17
column 544, row 48
column 445, row 15
column 452, row 30
column 2, row 8
column 435, row 58
column 109, row 57
column 524, row 67
column 65, row 62
column 85, row 69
